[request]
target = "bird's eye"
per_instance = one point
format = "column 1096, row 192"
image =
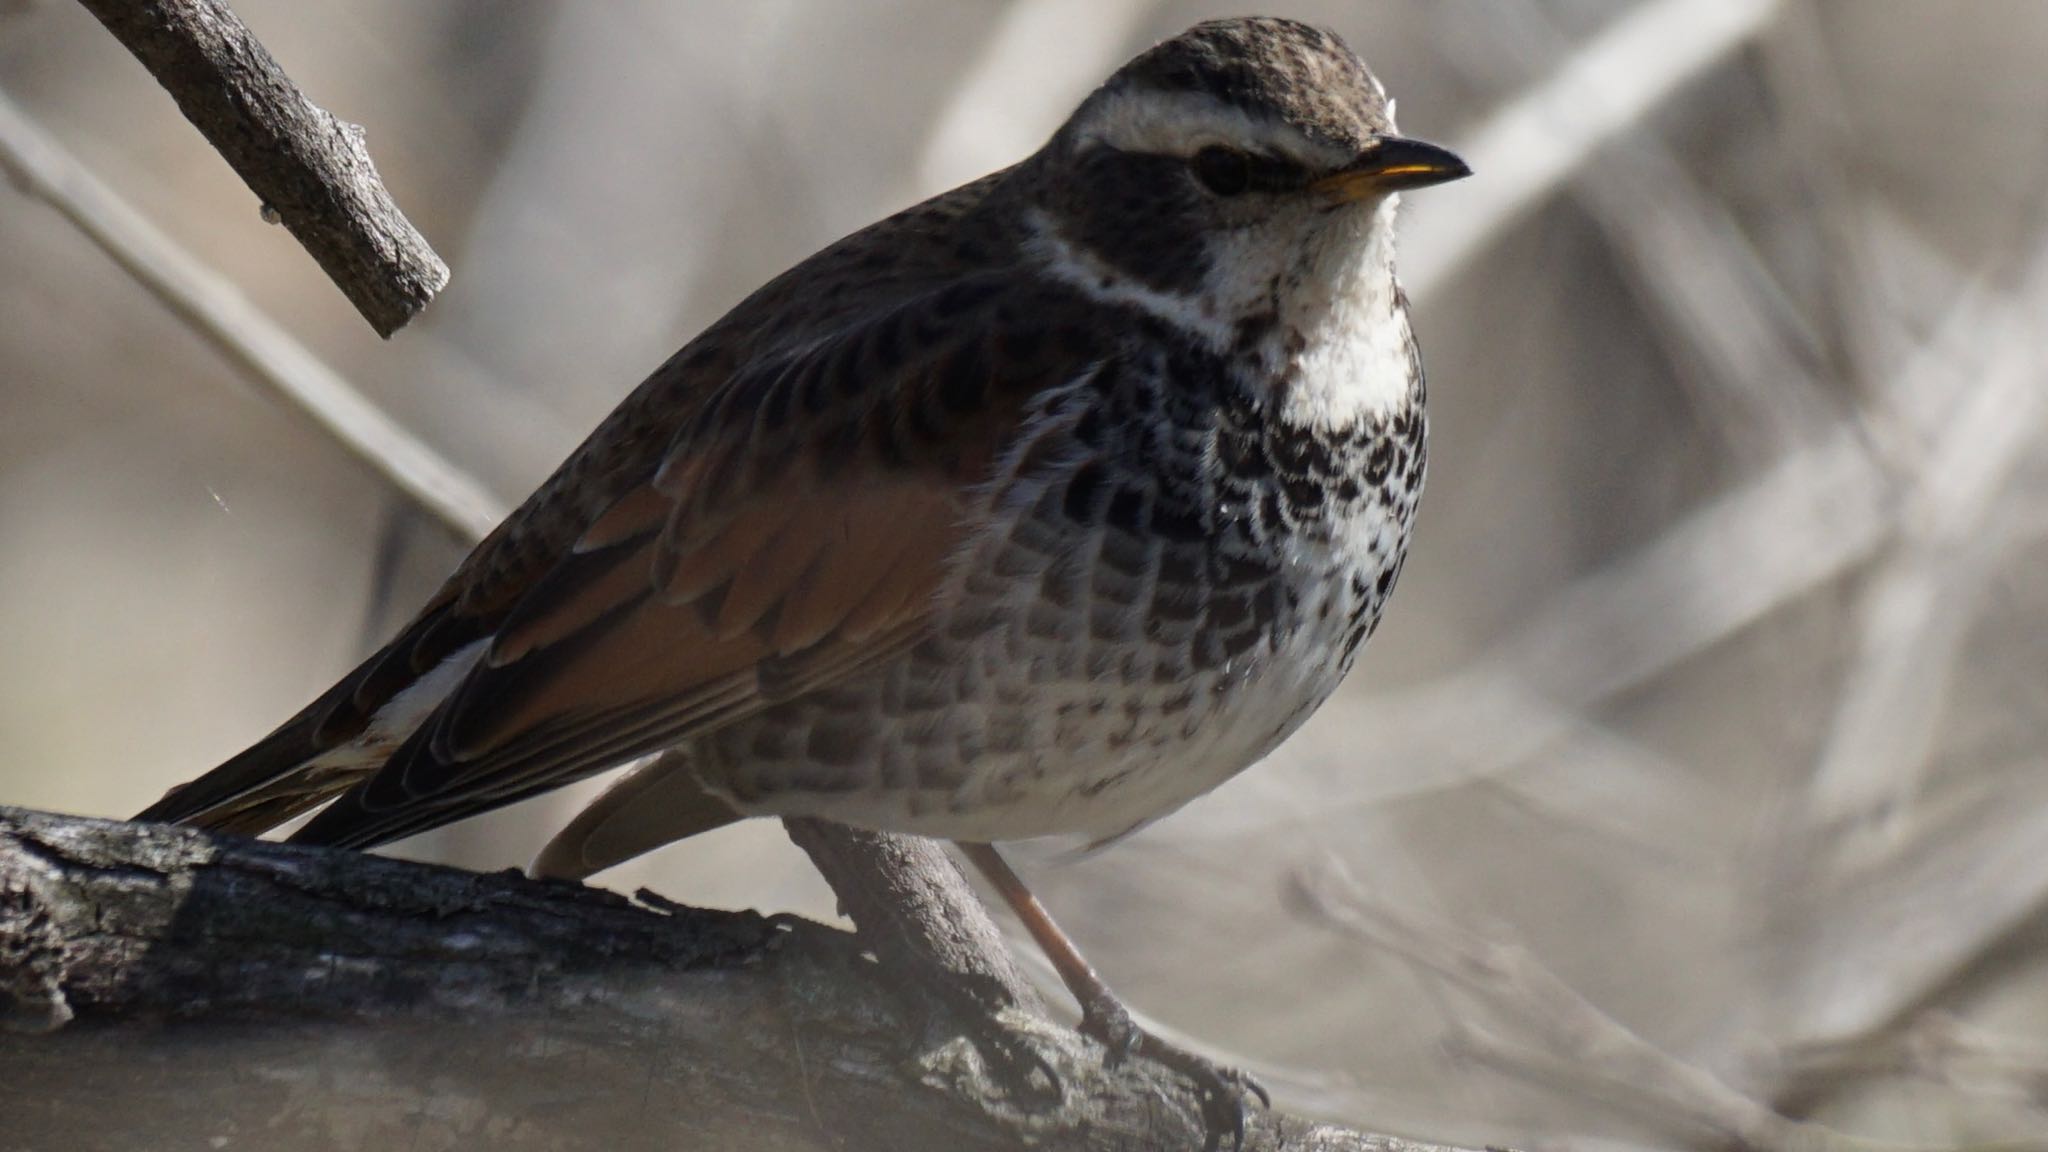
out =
column 1223, row 171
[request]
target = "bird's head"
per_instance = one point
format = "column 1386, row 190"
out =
column 1243, row 159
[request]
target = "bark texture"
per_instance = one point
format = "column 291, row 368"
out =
column 164, row 988
column 311, row 169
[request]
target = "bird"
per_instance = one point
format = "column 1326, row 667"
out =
column 1039, row 508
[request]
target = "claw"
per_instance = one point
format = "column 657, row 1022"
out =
column 1220, row 1089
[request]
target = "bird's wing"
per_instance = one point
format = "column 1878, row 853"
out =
column 846, row 396
column 799, row 527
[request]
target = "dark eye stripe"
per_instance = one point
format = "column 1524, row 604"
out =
column 1230, row 172
column 1273, row 174
column 1223, row 171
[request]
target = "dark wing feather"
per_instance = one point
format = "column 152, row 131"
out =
column 780, row 546
column 774, row 509
column 604, row 484
column 280, row 776
column 616, row 669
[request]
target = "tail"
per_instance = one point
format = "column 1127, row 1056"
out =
column 330, row 746
column 309, row 760
column 277, row 778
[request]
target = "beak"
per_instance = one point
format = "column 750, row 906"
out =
column 1391, row 165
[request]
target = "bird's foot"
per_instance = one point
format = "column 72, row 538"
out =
column 1220, row 1089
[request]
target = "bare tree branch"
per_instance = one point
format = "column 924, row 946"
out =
column 1041, row 57
column 1553, row 1031
column 1918, row 608
column 1934, row 1046
column 330, row 1000
column 309, row 168
column 1868, row 944
column 914, row 906
column 1531, row 147
column 1696, row 267
column 249, row 338
column 1822, row 509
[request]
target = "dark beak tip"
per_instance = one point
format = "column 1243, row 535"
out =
column 1399, row 162
column 1428, row 163
column 1396, row 164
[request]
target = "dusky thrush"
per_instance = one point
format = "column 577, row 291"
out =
column 1042, row 507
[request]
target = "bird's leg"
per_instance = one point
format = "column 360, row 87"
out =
column 1104, row 1017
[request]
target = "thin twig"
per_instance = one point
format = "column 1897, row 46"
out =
column 1559, row 1033
column 1916, row 611
column 254, row 342
column 310, row 169
column 1041, row 57
column 1696, row 267
column 1527, row 150
column 1813, row 515
column 1864, row 948
column 1935, row 1046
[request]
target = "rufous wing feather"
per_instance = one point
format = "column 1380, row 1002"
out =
column 761, row 560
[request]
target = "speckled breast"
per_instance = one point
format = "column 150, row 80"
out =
column 1169, row 583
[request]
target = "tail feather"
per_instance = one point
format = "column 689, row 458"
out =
column 335, row 743
column 294, row 769
column 332, row 749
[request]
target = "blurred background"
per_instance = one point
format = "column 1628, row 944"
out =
column 1693, row 794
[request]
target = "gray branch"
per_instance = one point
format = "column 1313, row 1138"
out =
column 308, row 167
column 194, row 988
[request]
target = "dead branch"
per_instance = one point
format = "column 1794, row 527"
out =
column 255, row 344
column 309, row 168
column 1532, row 146
column 209, row 988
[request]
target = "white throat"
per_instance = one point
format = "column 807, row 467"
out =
column 1343, row 331
column 1339, row 332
